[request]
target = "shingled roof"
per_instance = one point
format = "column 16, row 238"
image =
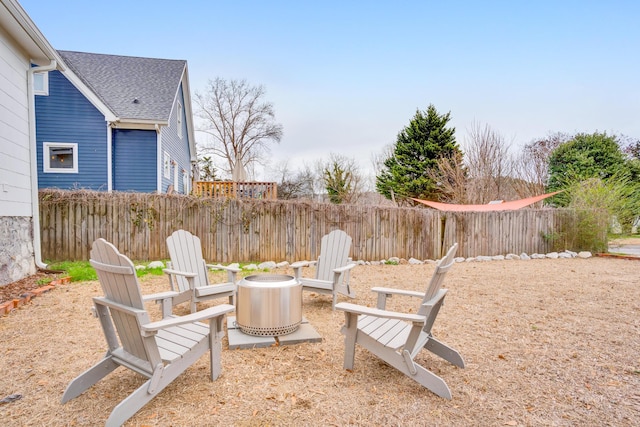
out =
column 132, row 88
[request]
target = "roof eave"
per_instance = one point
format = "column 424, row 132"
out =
column 186, row 93
column 25, row 31
column 143, row 124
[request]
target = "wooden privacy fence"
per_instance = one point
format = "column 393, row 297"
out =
column 235, row 230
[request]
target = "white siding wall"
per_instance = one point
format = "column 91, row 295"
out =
column 15, row 172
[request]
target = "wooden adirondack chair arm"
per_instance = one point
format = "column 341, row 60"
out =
column 224, row 267
column 391, row 291
column 344, row 268
column 360, row 309
column 300, row 264
column 436, row 299
column 120, row 307
column 384, row 293
column 179, row 273
column 160, row 296
column 297, row 267
column 208, row 313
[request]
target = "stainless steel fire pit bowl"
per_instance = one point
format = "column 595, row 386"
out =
column 269, row 305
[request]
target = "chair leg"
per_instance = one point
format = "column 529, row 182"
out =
column 422, row 376
column 132, row 404
column 431, row 381
column 350, row 330
column 88, row 378
column 216, row 332
column 444, row 351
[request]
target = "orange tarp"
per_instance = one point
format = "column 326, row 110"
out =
column 504, row 206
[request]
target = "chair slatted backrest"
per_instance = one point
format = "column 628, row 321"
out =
column 119, row 283
column 185, row 251
column 444, row 265
column 334, row 253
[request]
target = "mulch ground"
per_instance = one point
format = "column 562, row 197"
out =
column 546, row 342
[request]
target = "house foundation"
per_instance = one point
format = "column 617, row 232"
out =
column 17, row 259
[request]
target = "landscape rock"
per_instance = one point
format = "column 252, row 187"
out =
column 552, row 255
column 512, row 257
column 156, row 264
column 282, row 264
column 267, row 265
column 414, row 261
column 250, row 267
column 584, row 254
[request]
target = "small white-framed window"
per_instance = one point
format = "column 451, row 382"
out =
column 175, row 176
column 185, row 181
column 41, row 83
column 179, row 119
column 60, row 157
column 166, row 165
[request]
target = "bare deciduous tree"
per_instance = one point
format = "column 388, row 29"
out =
column 532, row 165
column 237, row 120
column 489, row 165
column 299, row 184
column 450, row 176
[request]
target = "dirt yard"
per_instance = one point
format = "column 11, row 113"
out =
column 546, row 342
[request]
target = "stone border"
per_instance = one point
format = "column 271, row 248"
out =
column 9, row 306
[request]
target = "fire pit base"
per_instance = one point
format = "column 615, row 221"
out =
column 239, row 340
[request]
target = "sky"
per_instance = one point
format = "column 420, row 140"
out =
column 346, row 77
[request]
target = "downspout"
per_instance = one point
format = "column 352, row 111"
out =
column 35, row 204
column 109, row 158
column 159, row 160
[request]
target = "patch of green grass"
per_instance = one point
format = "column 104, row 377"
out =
column 152, row 271
column 81, row 271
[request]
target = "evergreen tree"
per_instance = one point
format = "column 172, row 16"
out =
column 417, row 150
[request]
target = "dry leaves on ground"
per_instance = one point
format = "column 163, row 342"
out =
column 546, row 342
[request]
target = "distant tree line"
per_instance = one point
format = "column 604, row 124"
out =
column 426, row 161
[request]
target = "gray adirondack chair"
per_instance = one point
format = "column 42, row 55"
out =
column 188, row 272
column 159, row 350
column 396, row 337
column 332, row 267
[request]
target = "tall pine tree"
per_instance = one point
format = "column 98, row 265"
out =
column 417, row 150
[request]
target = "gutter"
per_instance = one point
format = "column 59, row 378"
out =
column 35, row 204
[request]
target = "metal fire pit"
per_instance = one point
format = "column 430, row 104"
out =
column 269, row 305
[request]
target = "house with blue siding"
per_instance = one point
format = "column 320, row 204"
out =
column 115, row 123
